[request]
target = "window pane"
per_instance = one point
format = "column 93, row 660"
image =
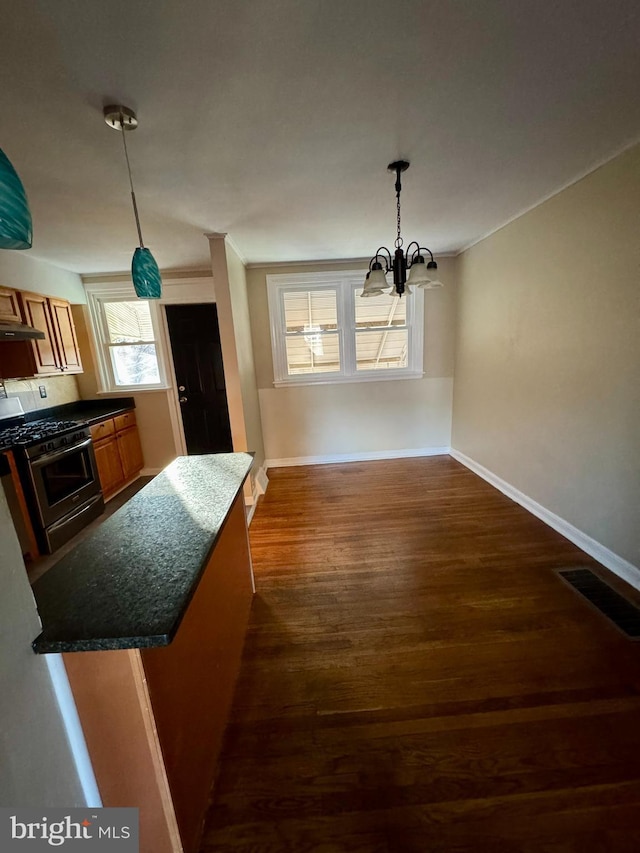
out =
column 310, row 310
column 135, row 365
column 384, row 310
column 313, row 354
column 382, row 350
column 128, row 321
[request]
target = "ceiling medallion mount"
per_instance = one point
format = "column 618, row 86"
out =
column 422, row 273
column 120, row 118
column 144, row 269
column 398, row 166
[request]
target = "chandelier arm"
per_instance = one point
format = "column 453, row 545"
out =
column 417, row 252
column 411, row 255
column 381, row 253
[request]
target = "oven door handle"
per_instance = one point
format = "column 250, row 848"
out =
column 58, row 454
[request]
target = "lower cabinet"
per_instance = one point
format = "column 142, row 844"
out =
column 118, row 453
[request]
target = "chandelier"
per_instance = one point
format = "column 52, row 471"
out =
column 422, row 272
column 144, row 269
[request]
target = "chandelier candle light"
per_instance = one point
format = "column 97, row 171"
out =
column 422, row 273
column 144, row 269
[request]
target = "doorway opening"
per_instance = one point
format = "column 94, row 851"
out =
column 194, row 336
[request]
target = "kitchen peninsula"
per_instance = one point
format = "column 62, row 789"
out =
column 150, row 613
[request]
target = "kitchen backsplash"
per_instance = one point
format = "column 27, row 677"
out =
column 60, row 389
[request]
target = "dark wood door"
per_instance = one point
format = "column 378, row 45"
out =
column 197, row 356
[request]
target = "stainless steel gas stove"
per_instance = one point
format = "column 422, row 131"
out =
column 57, row 469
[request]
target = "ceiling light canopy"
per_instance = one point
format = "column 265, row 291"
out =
column 144, row 269
column 422, row 272
column 15, row 216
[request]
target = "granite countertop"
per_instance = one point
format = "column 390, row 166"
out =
column 129, row 583
column 88, row 411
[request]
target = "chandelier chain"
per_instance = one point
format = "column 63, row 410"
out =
column 398, row 238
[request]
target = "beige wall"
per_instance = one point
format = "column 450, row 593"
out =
column 359, row 417
column 153, row 412
column 244, row 346
column 547, row 394
column 22, row 271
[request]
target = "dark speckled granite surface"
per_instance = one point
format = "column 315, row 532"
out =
column 128, row 585
column 89, row 411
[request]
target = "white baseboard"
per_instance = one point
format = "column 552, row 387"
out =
column 354, row 457
column 250, row 509
column 618, row 565
column 260, row 484
column 262, row 481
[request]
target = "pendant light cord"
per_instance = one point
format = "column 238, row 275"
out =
column 133, row 195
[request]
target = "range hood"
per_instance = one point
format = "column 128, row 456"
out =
column 19, row 332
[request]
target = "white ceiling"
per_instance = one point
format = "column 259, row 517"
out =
column 274, row 120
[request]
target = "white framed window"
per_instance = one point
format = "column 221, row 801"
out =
column 323, row 331
column 127, row 341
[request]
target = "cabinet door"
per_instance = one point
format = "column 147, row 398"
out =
column 37, row 313
column 9, row 306
column 110, row 471
column 130, row 452
column 65, row 333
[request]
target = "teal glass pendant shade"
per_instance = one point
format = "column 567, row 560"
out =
column 15, row 216
column 146, row 275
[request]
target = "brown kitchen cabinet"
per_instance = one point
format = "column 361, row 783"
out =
column 11, row 484
column 64, row 332
column 9, row 306
column 56, row 354
column 36, row 312
column 116, row 443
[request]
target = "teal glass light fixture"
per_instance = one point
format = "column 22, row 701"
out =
column 15, row 216
column 144, row 269
column 145, row 274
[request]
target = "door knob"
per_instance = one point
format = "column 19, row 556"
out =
column 182, row 399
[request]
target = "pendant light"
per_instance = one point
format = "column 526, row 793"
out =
column 15, row 216
column 144, row 269
column 422, row 273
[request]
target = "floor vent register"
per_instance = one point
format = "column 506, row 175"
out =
column 623, row 614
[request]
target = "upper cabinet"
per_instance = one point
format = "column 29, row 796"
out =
column 9, row 306
column 56, row 354
column 36, row 312
column 64, row 333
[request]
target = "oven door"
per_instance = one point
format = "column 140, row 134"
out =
column 63, row 479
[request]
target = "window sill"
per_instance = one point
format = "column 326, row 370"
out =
column 342, row 380
column 132, row 389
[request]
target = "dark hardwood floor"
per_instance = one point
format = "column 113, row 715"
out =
column 417, row 678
